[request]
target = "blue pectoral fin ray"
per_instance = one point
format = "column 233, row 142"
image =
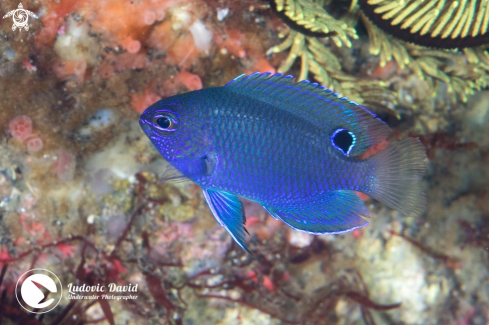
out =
column 336, row 212
column 229, row 212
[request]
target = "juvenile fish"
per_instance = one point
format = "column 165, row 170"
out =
column 288, row 146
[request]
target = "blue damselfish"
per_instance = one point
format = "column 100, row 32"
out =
column 288, row 146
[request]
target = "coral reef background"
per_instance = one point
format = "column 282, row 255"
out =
column 79, row 182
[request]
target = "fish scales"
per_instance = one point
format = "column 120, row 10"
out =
column 297, row 152
column 288, row 146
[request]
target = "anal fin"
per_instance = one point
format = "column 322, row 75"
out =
column 336, row 212
column 229, row 212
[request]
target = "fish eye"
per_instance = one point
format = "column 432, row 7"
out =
column 343, row 140
column 165, row 122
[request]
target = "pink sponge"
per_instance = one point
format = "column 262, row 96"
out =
column 21, row 127
column 34, row 144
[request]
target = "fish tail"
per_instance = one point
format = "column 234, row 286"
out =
column 398, row 170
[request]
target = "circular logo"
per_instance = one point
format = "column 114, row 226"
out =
column 20, row 18
column 38, row 291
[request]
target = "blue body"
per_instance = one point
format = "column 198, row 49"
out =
column 267, row 155
column 270, row 140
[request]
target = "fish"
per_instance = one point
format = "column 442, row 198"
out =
column 292, row 147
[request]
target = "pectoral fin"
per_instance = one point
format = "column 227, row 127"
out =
column 229, row 212
column 172, row 174
column 191, row 168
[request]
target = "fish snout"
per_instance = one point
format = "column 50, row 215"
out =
column 145, row 125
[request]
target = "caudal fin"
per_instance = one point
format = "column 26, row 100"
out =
column 399, row 169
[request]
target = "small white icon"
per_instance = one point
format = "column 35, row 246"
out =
column 36, row 286
column 21, row 17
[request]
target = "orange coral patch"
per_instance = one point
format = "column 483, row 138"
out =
column 142, row 101
column 183, row 51
column 232, row 43
column 56, row 11
column 190, row 80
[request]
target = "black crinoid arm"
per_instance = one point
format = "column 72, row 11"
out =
column 432, row 23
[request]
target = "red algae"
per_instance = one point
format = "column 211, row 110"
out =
column 21, row 127
column 66, row 250
column 442, row 140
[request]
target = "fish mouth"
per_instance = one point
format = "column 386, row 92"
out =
column 145, row 126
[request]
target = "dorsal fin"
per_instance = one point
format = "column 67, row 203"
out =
column 316, row 104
